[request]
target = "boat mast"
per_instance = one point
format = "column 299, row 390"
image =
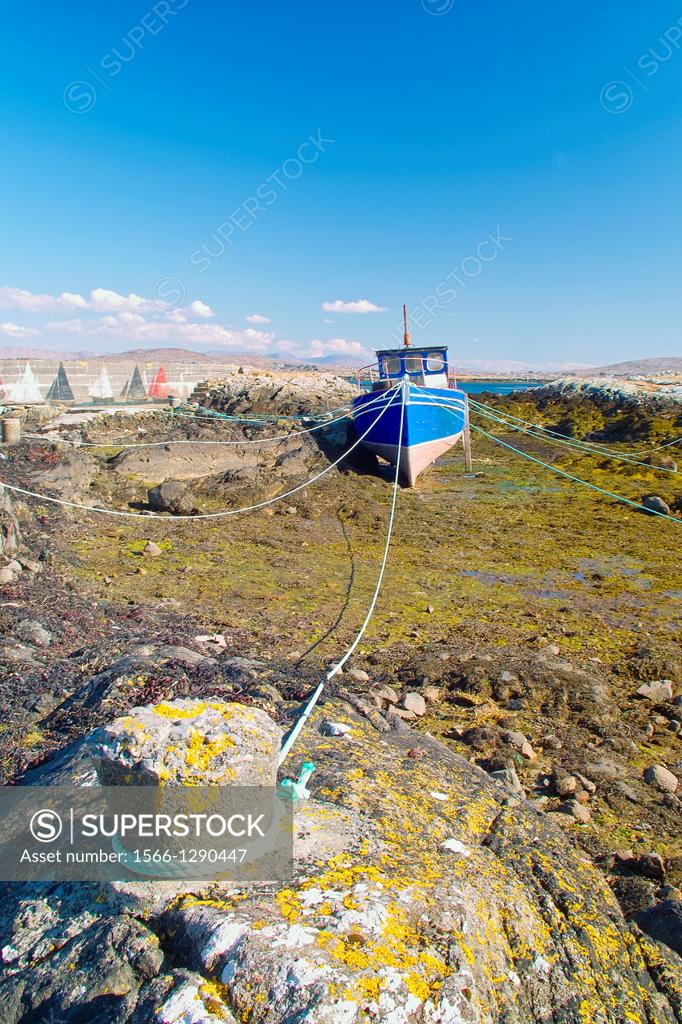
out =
column 407, row 336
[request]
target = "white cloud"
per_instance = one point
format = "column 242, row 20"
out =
column 107, row 316
column 359, row 306
column 136, row 330
column 15, row 331
column 101, row 300
column 335, row 346
column 18, row 298
column 199, row 308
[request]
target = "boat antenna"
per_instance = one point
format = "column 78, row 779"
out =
column 407, row 336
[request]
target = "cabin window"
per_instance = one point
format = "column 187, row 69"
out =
column 391, row 365
column 413, row 364
column 435, row 362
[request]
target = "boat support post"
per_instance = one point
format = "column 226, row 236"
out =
column 466, row 440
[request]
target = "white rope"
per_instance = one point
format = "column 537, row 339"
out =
column 162, row 444
column 305, row 714
column 202, row 515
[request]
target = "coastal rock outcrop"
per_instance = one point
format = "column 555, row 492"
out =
column 424, row 892
column 279, row 394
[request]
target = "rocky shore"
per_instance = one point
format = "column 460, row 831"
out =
column 493, row 828
column 618, row 389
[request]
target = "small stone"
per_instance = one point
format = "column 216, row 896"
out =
column 335, row 729
column 576, row 810
column 653, row 503
column 405, row 714
column 565, row 785
column 37, row 633
column 151, row 549
column 659, row 776
column 508, row 778
column 519, row 742
column 359, row 675
column 14, row 566
column 215, row 640
column 141, row 572
column 657, row 692
column 386, row 693
column 651, row 865
column 508, row 677
column 675, row 725
column 628, row 792
column 552, row 651
column 30, row 564
column 586, row 783
column 6, row 576
column 515, row 704
column 430, row 609
column 414, row 702
column 478, row 737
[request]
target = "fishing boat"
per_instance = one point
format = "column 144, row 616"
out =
column 435, row 416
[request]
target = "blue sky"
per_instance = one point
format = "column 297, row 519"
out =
column 171, row 169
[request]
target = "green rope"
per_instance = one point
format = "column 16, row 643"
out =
column 581, row 446
column 575, row 479
column 556, row 433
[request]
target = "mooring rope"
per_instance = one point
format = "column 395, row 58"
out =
column 308, row 708
column 556, row 433
column 204, row 515
column 580, row 446
column 575, row 479
column 162, row 444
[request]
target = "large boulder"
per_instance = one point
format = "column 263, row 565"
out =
column 171, row 496
column 422, row 893
column 189, row 742
column 99, row 969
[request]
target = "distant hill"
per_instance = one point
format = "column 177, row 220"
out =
column 21, row 352
column 637, row 367
column 185, row 355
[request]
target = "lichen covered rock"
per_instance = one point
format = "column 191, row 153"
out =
column 189, row 742
column 423, row 893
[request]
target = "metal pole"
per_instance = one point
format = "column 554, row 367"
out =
column 466, row 440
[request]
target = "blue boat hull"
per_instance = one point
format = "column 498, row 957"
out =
column 433, row 422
